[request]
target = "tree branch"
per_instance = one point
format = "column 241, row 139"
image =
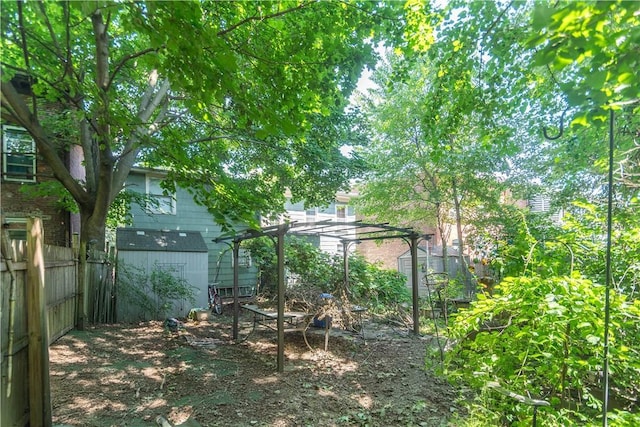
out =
column 102, row 50
column 52, row 35
column 222, row 33
column 25, row 53
column 46, row 149
column 148, row 106
column 125, row 59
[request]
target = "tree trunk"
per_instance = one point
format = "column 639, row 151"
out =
column 457, row 207
column 92, row 239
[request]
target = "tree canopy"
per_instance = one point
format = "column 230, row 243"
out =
column 244, row 94
column 238, row 101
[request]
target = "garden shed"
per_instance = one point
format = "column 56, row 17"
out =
column 425, row 263
column 143, row 254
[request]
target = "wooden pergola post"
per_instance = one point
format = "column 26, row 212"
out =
column 37, row 325
column 282, row 231
column 414, row 282
column 236, row 287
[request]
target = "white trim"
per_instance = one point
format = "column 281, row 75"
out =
column 5, row 152
column 169, row 199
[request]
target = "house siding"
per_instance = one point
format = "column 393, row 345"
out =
column 190, row 217
column 190, row 266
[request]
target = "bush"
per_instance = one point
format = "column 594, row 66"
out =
column 544, row 337
column 368, row 284
column 378, row 287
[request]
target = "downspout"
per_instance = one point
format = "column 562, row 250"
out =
column 7, row 254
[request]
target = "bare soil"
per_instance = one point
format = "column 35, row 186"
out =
column 130, row 375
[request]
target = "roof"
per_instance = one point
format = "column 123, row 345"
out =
column 137, row 239
column 421, row 252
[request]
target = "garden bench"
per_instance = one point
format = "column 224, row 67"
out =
column 245, row 292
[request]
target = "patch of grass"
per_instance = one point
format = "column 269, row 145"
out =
column 122, row 365
column 186, row 354
column 224, row 368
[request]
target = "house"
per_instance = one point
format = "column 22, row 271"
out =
column 179, row 213
column 24, row 172
column 337, row 211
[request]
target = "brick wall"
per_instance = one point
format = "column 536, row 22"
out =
column 386, row 252
column 15, row 205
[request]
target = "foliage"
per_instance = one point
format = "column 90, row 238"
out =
column 421, row 149
column 543, row 336
column 378, row 287
column 238, row 100
column 305, row 262
column 593, row 49
column 318, row 271
column 153, row 295
column 256, row 103
column 584, row 230
column 524, row 239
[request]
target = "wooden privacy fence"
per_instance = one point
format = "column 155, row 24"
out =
column 19, row 361
column 101, row 288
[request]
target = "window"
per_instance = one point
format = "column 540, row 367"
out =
column 540, row 203
column 165, row 204
column 16, row 228
column 18, row 155
column 311, row 214
column 341, row 211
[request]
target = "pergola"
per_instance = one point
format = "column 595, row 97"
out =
column 347, row 233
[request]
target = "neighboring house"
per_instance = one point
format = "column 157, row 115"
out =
column 542, row 203
column 338, row 211
column 22, row 169
column 178, row 212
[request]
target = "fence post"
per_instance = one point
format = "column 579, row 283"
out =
column 39, row 390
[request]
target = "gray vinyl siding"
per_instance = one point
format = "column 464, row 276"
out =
column 190, row 266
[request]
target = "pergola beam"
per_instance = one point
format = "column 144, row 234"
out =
column 321, row 228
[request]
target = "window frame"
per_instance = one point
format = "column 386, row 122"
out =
column 6, row 153
column 159, row 197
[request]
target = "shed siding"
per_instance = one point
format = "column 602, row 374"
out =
column 192, row 267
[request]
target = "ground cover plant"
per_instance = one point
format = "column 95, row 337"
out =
column 544, row 337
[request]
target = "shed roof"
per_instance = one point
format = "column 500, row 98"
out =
column 137, row 239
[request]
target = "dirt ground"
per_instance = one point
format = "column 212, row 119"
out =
column 130, row 375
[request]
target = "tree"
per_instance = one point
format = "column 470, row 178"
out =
column 428, row 160
column 131, row 82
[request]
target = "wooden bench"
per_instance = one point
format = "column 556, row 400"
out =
column 294, row 321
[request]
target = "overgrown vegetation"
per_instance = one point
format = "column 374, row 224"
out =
column 313, row 271
column 541, row 331
column 543, row 336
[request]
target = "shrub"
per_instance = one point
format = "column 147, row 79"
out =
column 315, row 269
column 544, row 337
